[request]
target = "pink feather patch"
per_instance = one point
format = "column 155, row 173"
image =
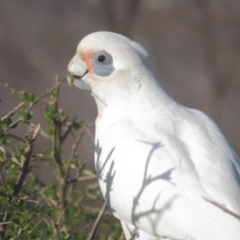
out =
column 87, row 57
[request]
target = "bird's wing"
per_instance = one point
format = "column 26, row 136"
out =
column 207, row 166
column 215, row 162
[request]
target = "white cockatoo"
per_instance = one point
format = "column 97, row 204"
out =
column 165, row 171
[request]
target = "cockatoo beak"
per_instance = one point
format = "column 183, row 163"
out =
column 77, row 70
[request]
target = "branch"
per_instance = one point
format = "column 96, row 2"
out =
column 25, row 169
column 57, row 135
column 12, row 112
column 32, row 126
column 59, row 82
column 95, row 226
column 66, row 133
column 3, row 178
column 16, row 137
column 90, row 135
column 122, row 236
column 57, row 126
column 84, row 178
column 5, row 223
column 74, row 149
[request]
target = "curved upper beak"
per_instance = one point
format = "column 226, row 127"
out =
column 77, row 69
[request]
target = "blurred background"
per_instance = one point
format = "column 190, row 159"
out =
column 194, row 47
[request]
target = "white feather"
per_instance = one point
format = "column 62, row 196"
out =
column 157, row 161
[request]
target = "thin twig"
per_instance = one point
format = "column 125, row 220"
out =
column 5, row 223
column 3, row 178
column 10, row 158
column 55, row 230
column 84, row 178
column 94, row 209
column 89, row 173
column 79, row 179
column 32, row 126
column 60, row 216
column 58, row 83
column 74, row 149
column 37, row 223
column 95, row 226
column 49, row 201
column 223, row 208
column 90, row 135
column 16, row 137
column 12, row 112
column 57, row 136
column 122, row 237
column 31, row 105
column 36, row 132
column 30, row 221
column 66, row 133
column 14, row 160
column 10, row 89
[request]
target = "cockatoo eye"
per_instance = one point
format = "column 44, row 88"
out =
column 101, row 58
column 103, row 64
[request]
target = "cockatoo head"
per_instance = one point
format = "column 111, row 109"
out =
column 109, row 65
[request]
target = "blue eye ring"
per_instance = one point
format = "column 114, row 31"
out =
column 103, row 64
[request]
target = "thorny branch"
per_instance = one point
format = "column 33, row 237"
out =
column 74, row 150
column 25, row 169
column 12, row 112
column 95, row 225
column 65, row 180
column 57, row 156
column 21, row 139
column 32, row 104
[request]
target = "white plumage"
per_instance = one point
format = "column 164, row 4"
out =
column 157, row 161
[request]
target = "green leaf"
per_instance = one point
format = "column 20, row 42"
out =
column 50, row 190
column 77, row 125
column 30, row 97
column 19, row 231
column 53, row 94
column 24, row 114
column 5, row 124
column 46, row 152
column 3, row 155
column 4, row 139
column 59, row 151
column 67, row 236
column 50, row 132
column 51, row 115
column 20, row 153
